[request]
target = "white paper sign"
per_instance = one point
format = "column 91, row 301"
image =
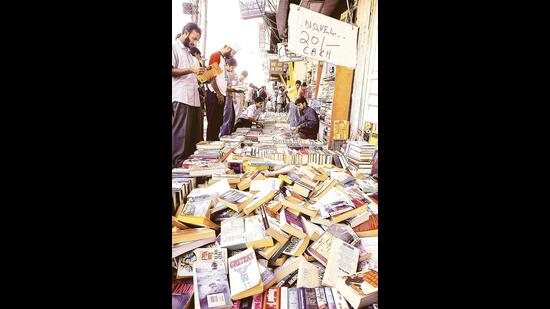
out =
column 321, row 37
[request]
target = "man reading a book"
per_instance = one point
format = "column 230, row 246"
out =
column 229, row 109
column 217, row 91
column 308, row 127
column 186, row 107
column 250, row 114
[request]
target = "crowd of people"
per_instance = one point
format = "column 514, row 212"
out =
column 229, row 104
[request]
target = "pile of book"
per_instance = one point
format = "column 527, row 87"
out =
column 359, row 156
column 266, row 234
column 182, row 185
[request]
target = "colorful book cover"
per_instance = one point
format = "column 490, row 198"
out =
column 330, row 299
column 271, row 300
column 310, row 298
column 321, row 298
column 293, row 298
column 212, row 285
column 294, row 220
column 257, row 301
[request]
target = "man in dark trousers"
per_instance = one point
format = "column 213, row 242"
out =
column 308, row 127
column 186, row 107
column 217, row 91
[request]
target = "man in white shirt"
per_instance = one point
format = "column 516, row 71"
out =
column 240, row 97
column 250, row 114
column 217, row 92
column 186, row 107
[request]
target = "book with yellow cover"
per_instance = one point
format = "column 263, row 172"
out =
column 192, row 234
column 235, row 199
column 299, row 206
column 211, row 71
column 258, row 199
column 292, row 224
column 196, row 211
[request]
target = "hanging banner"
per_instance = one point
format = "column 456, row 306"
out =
column 320, row 37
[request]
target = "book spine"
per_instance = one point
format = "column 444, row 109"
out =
column 321, row 298
column 330, row 299
column 302, row 298
column 257, row 301
column 283, row 298
column 339, row 300
column 310, row 298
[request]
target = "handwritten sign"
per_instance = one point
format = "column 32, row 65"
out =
column 320, row 37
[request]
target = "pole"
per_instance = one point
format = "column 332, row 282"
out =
column 204, row 29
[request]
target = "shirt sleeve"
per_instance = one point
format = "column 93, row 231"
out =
column 310, row 119
column 214, row 58
column 174, row 59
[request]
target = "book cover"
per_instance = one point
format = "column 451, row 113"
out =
column 212, row 254
column 339, row 300
column 245, row 303
column 271, row 298
column 302, row 298
column 232, row 234
column 367, row 228
column 320, row 249
column 359, row 289
column 308, row 275
column 334, row 202
column 255, row 234
column 211, row 71
column 257, row 301
column 182, row 293
column 330, row 299
column 321, row 298
column 185, row 265
column 235, row 199
column 283, row 303
column 293, row 298
column 244, row 274
column 310, row 298
column 182, row 248
column 292, row 224
column 212, row 286
column 258, row 199
column 296, row 246
column 343, row 260
column 268, row 277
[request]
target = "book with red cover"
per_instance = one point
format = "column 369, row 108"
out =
column 310, row 298
column 271, row 298
column 257, row 301
column 369, row 225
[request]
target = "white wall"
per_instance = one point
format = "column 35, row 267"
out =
column 364, row 103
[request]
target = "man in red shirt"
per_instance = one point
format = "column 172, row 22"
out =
column 216, row 93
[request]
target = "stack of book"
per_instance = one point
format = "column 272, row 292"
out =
column 262, row 232
column 359, row 156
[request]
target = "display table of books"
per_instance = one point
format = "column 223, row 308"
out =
column 264, row 220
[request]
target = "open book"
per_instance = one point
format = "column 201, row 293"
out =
column 211, row 71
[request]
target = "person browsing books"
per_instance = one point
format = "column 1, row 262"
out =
column 202, row 87
column 229, row 109
column 293, row 113
column 250, row 114
column 215, row 95
column 308, row 127
column 240, row 97
column 186, row 107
